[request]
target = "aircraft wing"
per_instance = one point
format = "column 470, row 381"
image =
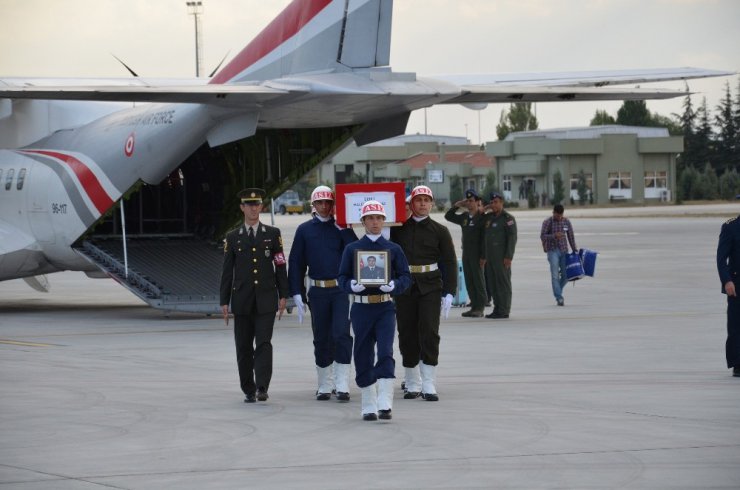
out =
column 137, row 90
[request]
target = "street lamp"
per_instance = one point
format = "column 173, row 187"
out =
column 196, row 9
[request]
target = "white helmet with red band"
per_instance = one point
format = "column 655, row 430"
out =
column 421, row 190
column 322, row 193
column 372, row 207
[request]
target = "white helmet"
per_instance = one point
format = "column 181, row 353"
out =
column 372, row 207
column 421, row 190
column 322, row 193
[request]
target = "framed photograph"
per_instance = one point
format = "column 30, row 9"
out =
column 372, row 267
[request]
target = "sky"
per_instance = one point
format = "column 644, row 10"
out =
column 77, row 38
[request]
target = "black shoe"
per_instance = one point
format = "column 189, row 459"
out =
column 403, row 386
column 473, row 314
column 488, row 304
column 496, row 315
column 385, row 414
column 369, row 416
column 262, row 395
column 250, row 398
column 410, row 395
column 342, row 396
column 736, row 371
column 323, row 396
column 430, row 397
column 561, row 302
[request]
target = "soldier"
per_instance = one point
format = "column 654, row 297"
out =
column 473, row 248
column 373, row 314
column 255, row 282
column 370, row 271
column 728, row 267
column 499, row 229
column 431, row 254
column 317, row 246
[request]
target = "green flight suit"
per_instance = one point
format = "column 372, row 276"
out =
column 500, row 241
column 473, row 250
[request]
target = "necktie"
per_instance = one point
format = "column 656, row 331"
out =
column 250, row 234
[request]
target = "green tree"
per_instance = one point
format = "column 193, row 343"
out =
column 558, row 189
column 582, row 188
column 687, row 121
column 729, row 185
column 709, row 184
column 688, row 184
column 456, row 190
column 531, row 199
column 490, row 186
column 634, row 113
column 704, row 136
column 602, row 118
column 727, row 151
column 519, row 117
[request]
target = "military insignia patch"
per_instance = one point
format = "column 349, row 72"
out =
column 267, row 253
column 510, row 222
column 279, row 258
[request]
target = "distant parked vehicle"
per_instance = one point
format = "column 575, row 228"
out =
column 288, row 202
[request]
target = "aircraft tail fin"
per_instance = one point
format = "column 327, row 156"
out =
column 316, row 36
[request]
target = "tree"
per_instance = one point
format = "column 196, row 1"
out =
column 634, row 113
column 602, row 118
column 704, row 136
column 490, row 185
column 558, row 190
column 582, row 188
column 688, row 184
column 519, row 117
column 727, row 148
column 456, row 190
column 687, row 121
column 708, row 184
column 729, row 184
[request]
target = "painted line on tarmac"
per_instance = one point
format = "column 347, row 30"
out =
column 24, row 344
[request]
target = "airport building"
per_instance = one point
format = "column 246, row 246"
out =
column 620, row 163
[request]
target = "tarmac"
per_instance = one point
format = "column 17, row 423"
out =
column 624, row 387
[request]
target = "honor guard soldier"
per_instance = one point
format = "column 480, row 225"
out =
column 431, row 254
column 373, row 313
column 255, row 282
column 473, row 249
column 728, row 267
column 317, row 247
column 499, row 230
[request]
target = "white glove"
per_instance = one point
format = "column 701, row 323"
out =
column 387, row 288
column 356, row 288
column 300, row 307
column 446, row 305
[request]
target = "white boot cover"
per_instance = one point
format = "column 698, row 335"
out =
column 385, row 393
column 341, row 377
column 412, row 379
column 370, row 399
column 326, row 383
column 428, row 378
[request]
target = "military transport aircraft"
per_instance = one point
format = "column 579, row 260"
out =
column 174, row 152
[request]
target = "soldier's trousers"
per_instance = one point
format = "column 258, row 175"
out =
column 418, row 327
column 330, row 324
column 501, row 283
column 253, row 339
column 475, row 282
column 732, row 346
column 373, row 325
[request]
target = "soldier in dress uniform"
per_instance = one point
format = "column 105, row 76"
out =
column 317, row 247
column 370, row 271
column 373, row 314
column 728, row 266
column 255, row 282
column 499, row 229
column 431, row 254
column 473, row 249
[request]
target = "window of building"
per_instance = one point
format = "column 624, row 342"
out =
column 574, row 184
column 507, row 183
column 620, row 185
column 656, row 182
column 21, row 179
column 9, row 179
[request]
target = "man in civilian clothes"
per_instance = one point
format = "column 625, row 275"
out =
column 728, row 267
column 317, row 247
column 431, row 254
column 556, row 234
column 254, row 281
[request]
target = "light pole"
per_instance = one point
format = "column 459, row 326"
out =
column 196, row 9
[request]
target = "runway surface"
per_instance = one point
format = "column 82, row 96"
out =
column 624, row 387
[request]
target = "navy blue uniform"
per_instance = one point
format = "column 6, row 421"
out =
column 374, row 323
column 318, row 246
column 728, row 266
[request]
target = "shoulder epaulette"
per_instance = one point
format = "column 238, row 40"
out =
column 731, row 220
